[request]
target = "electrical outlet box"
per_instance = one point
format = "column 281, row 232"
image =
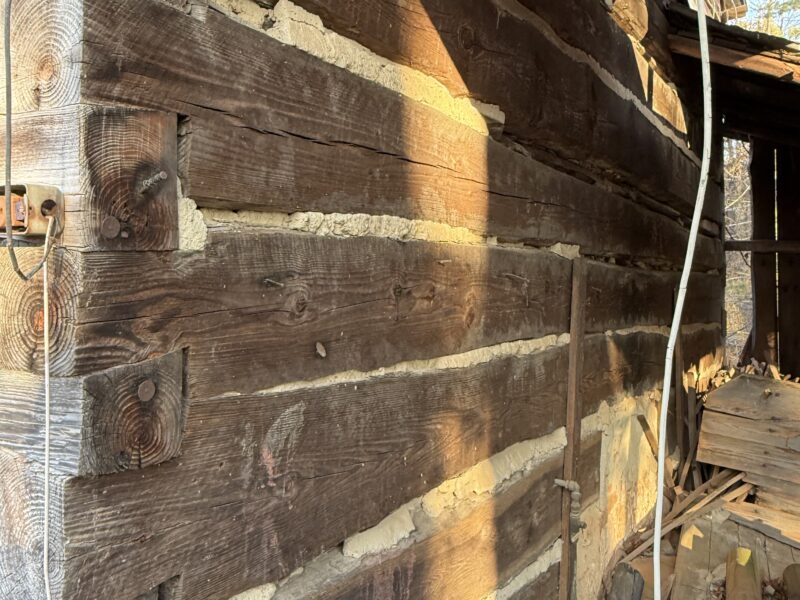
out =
column 31, row 205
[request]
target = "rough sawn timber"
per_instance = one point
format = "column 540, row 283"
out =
column 255, row 470
column 285, row 91
column 264, row 295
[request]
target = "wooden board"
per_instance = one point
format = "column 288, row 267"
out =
column 775, row 493
column 258, row 517
column 506, row 534
column 765, row 295
column 273, row 93
column 229, row 166
column 776, row 524
column 788, row 203
column 745, row 397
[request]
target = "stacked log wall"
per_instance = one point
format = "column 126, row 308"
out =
column 315, row 274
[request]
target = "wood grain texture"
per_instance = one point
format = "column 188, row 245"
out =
column 131, row 168
column 256, row 470
column 22, row 419
column 230, row 166
column 776, row 524
column 288, row 93
column 21, row 531
column 468, row 559
column 500, row 52
column 134, row 416
column 750, row 424
column 253, row 308
column 628, row 297
column 101, row 158
column 46, row 45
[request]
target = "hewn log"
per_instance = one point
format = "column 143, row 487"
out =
column 117, row 168
column 491, row 190
column 272, row 94
column 21, row 529
column 133, row 416
column 256, row 469
column 505, row 533
column 129, row 417
column 46, row 43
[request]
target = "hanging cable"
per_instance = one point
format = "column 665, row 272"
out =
column 9, row 107
column 684, row 283
column 41, row 265
column 46, row 309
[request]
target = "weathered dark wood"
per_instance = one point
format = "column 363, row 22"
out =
column 763, row 246
column 544, row 586
column 22, row 419
column 253, row 308
column 507, row 533
column 573, row 420
column 764, row 336
column 761, row 63
column 788, row 205
column 21, row 532
column 628, row 297
column 230, row 166
column 273, row 93
column 134, row 416
column 258, row 468
column 741, row 576
column 100, row 158
column 131, row 164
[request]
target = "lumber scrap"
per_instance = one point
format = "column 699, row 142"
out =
column 776, row 524
column 741, row 576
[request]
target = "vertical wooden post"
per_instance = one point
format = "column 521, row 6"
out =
column 574, row 414
column 764, row 334
column 788, row 203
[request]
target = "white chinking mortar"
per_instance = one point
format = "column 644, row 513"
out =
column 295, row 26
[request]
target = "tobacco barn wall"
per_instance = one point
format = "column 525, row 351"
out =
column 339, row 240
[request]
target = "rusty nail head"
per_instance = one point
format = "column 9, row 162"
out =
column 147, row 390
column 110, row 228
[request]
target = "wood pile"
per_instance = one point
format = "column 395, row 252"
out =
column 746, row 483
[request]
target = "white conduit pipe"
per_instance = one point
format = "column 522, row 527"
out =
column 676, row 318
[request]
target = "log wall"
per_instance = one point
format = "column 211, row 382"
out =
column 311, row 301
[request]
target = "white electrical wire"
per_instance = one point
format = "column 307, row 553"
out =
column 677, row 316
column 46, row 309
